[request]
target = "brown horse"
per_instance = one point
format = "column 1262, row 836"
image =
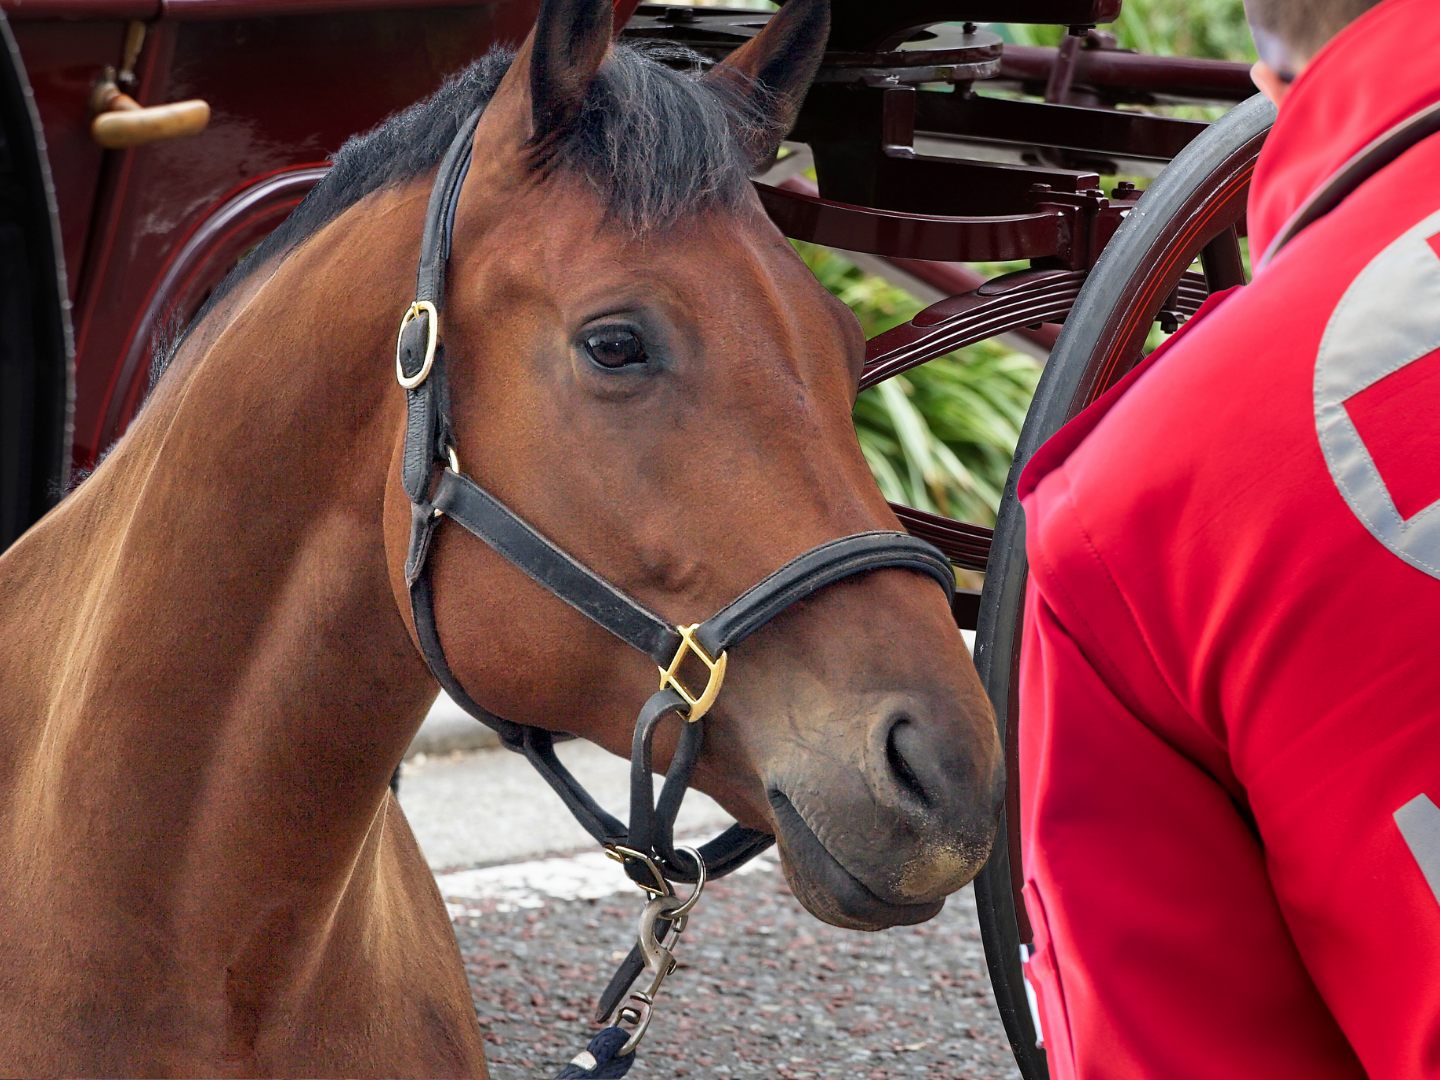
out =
column 209, row 669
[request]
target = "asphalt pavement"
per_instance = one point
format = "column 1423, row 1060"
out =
column 764, row 990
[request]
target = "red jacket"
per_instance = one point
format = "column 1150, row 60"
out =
column 1230, row 686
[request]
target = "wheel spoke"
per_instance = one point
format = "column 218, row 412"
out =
column 965, row 545
column 997, row 307
column 1223, row 262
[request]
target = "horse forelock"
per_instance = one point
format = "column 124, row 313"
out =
column 656, row 142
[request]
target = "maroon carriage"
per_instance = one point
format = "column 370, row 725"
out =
column 239, row 104
column 148, row 144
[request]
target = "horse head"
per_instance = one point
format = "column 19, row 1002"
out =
column 641, row 365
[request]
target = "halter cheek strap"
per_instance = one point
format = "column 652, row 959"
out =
column 439, row 490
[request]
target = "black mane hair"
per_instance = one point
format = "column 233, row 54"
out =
column 653, row 141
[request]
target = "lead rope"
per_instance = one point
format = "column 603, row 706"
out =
column 662, row 921
column 599, row 1060
column 628, row 1002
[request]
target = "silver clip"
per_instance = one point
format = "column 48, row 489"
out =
column 662, row 921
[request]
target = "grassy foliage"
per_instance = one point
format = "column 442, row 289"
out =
column 940, row 437
column 1211, row 28
column 1208, row 28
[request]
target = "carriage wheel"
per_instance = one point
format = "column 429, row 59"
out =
column 1194, row 211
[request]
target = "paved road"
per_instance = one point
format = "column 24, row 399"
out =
column 764, row 990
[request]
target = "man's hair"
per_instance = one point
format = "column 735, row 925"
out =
column 1306, row 25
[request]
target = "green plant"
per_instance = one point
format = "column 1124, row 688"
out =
column 1207, row 28
column 939, row 437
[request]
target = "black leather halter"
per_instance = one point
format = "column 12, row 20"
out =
column 439, row 490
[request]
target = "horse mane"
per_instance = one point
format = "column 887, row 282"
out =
column 653, row 141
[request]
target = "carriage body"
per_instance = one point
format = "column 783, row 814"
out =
column 936, row 145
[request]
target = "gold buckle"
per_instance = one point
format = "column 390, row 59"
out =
column 413, row 312
column 670, row 677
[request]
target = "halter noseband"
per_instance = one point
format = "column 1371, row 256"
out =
column 646, row 846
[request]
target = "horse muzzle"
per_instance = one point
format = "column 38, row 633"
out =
column 883, row 839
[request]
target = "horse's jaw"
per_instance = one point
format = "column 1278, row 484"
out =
column 827, row 889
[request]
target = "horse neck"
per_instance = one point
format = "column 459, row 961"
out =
column 225, row 682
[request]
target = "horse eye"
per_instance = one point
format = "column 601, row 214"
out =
column 615, row 348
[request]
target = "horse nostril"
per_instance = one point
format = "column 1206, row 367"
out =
column 901, row 733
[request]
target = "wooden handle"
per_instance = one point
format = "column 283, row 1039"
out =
column 121, row 121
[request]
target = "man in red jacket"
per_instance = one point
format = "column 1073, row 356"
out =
column 1230, row 700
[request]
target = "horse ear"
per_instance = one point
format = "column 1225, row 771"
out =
column 567, row 48
column 772, row 72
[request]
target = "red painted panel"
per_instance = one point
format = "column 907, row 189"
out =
column 283, row 92
column 1396, row 420
column 147, row 232
column 206, row 255
column 254, row 9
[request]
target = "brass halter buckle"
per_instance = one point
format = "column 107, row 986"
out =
column 413, row 312
column 670, row 677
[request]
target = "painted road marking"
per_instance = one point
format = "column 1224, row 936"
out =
column 522, row 886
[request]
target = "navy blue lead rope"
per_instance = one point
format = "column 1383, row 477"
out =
column 598, row 1061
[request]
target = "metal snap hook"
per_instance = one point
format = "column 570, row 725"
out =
column 662, row 921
